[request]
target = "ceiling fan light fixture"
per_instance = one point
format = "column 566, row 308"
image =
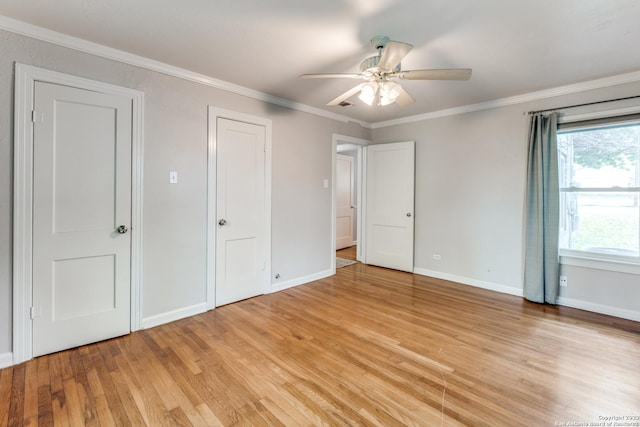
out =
column 388, row 92
column 368, row 93
column 379, row 70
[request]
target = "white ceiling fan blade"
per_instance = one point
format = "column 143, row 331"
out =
column 447, row 74
column 347, row 94
column 331, row 76
column 404, row 98
column 393, row 53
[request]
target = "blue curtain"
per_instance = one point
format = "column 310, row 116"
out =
column 541, row 270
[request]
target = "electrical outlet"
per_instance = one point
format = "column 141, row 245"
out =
column 437, row 257
column 563, row 281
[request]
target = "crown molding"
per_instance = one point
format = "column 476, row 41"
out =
column 50, row 36
column 518, row 99
column 33, row 31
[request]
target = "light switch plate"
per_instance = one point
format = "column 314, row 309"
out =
column 173, row 177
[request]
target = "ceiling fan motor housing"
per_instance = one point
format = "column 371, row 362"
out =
column 380, row 70
column 371, row 65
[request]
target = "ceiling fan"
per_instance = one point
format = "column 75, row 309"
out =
column 379, row 72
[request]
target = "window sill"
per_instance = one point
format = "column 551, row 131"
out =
column 600, row 262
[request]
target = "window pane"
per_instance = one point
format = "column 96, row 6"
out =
column 589, row 159
column 600, row 158
column 601, row 222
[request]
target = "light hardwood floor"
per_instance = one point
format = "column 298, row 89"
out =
column 368, row 346
column 347, row 253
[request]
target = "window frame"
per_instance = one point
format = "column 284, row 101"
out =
column 590, row 259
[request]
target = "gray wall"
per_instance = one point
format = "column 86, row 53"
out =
column 470, row 186
column 175, row 138
column 470, row 175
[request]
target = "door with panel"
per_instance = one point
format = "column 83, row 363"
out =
column 81, row 217
column 390, row 205
column 240, row 211
column 344, row 201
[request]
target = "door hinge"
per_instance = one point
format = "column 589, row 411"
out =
column 34, row 312
column 37, row 117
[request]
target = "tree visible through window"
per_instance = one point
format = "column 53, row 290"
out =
column 599, row 170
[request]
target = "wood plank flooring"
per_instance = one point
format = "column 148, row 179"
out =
column 347, row 253
column 368, row 346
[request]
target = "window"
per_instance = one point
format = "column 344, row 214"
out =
column 599, row 173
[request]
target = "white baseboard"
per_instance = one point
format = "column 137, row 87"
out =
column 600, row 308
column 471, row 282
column 171, row 316
column 6, row 360
column 567, row 302
column 276, row 287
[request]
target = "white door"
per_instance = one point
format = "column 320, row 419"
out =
column 240, row 211
column 344, row 201
column 390, row 202
column 81, row 195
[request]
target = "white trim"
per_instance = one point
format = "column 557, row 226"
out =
column 25, row 78
column 213, row 114
column 39, row 33
column 22, row 191
column 599, row 263
column 518, row 99
column 361, row 254
column 599, row 308
column 137, row 185
column 348, row 147
column 570, row 118
column 302, row 280
column 358, row 144
column 334, row 163
column 211, row 212
column 470, row 282
column 592, row 259
column 567, row 302
column 75, row 43
column 173, row 315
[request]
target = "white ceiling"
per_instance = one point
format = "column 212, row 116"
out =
column 513, row 46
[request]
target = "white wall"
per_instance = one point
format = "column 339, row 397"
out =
column 175, row 138
column 470, row 184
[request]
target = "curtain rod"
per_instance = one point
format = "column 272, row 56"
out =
column 583, row 105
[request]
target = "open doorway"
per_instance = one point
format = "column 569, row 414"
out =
column 347, row 209
column 346, row 198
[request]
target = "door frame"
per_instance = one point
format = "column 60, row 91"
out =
column 359, row 144
column 213, row 114
column 349, row 148
column 25, row 78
